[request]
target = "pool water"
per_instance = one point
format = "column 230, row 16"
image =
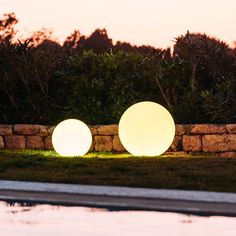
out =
column 42, row 220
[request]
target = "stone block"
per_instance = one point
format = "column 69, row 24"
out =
column 176, row 144
column 219, row 142
column 103, row 143
column 34, row 142
column 51, row 129
column 208, row 129
column 117, row 145
column 228, row 154
column 6, row 129
column 93, row 130
column 15, row 142
column 108, row 129
column 26, row 129
column 1, row 142
column 43, row 131
column 231, row 128
column 48, row 143
column 180, row 129
column 191, row 143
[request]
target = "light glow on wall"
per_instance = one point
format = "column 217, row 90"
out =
column 72, row 138
column 146, row 129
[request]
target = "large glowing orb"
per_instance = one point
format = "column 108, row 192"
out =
column 146, row 129
column 72, row 138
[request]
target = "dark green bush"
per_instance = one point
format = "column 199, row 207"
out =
column 97, row 88
column 48, row 83
column 25, row 74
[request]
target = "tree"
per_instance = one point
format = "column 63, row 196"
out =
column 206, row 59
column 72, row 40
column 98, row 41
column 7, row 30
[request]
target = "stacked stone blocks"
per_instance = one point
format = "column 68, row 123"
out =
column 194, row 139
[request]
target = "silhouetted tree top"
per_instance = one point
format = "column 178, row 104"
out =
column 196, row 43
column 43, row 39
column 7, row 30
column 127, row 47
column 190, row 45
column 98, row 41
column 42, row 81
column 204, row 54
column 72, row 41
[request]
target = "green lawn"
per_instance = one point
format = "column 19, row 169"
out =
column 188, row 172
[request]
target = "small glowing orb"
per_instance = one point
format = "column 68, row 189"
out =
column 72, row 138
column 146, row 129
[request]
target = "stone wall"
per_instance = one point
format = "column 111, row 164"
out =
column 194, row 139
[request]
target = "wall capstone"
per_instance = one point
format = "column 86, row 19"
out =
column 26, row 129
column 43, row 131
column 208, row 129
column 180, row 130
column 231, row 128
column 107, row 130
column 5, row 129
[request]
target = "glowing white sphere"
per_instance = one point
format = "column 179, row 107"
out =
column 146, row 129
column 72, row 138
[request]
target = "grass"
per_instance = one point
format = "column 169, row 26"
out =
column 169, row 172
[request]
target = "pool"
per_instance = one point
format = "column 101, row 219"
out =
column 22, row 219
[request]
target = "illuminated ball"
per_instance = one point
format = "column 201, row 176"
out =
column 146, row 129
column 72, row 138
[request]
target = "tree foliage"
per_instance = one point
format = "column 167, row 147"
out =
column 92, row 79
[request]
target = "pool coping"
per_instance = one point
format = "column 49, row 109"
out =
column 197, row 202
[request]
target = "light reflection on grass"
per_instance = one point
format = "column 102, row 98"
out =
column 52, row 153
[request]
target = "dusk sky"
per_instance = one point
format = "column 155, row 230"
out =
column 153, row 22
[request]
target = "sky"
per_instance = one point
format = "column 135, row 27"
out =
column 150, row 22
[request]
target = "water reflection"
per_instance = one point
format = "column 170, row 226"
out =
column 20, row 219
